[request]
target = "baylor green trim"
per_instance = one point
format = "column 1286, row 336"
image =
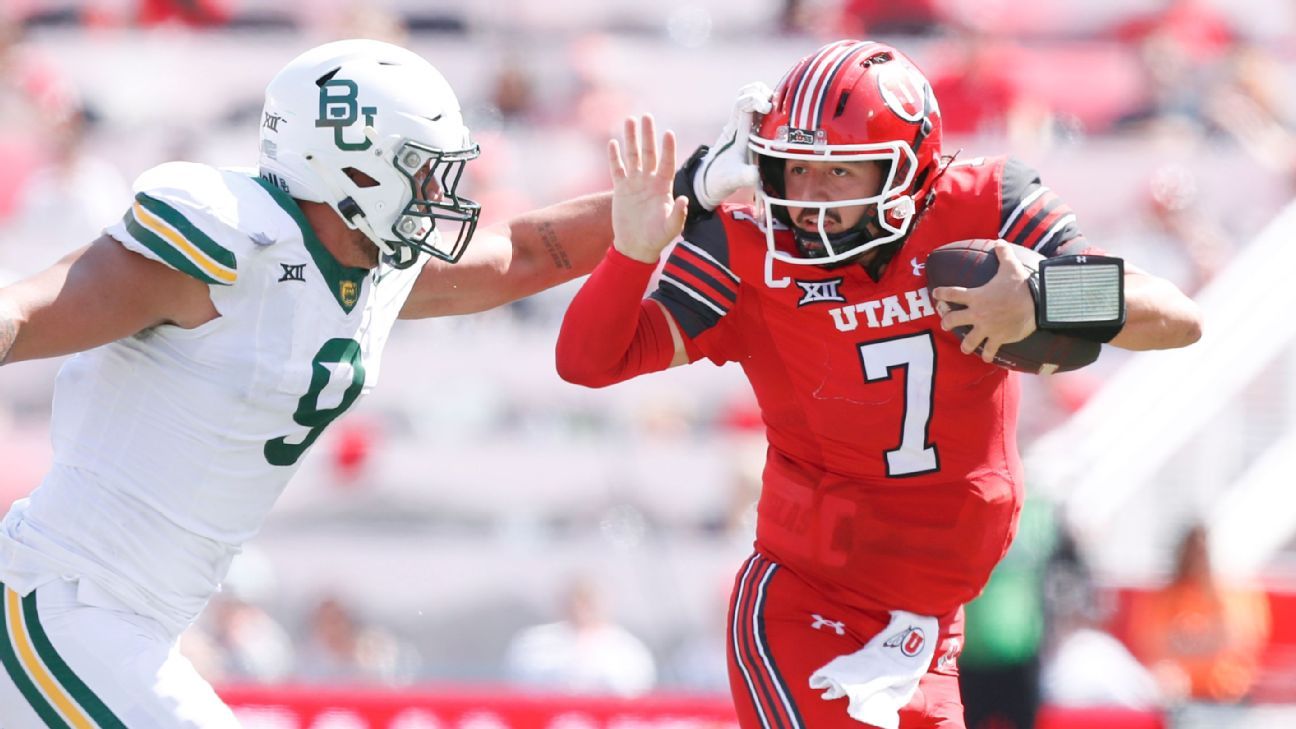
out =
column 191, row 232
column 80, row 693
column 19, row 676
column 344, row 282
column 165, row 250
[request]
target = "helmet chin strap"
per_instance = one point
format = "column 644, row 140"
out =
column 901, row 207
column 407, row 254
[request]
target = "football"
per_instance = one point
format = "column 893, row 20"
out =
column 972, row 263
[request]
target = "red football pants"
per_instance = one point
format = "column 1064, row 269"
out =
column 781, row 630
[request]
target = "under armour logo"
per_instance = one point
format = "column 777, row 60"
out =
column 820, row 622
column 813, row 292
column 917, row 267
column 293, row 272
column 910, row 641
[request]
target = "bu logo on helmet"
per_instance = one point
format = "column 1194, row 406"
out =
column 910, row 641
column 339, row 108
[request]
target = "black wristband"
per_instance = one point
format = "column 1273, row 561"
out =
column 683, row 186
column 1032, row 283
column 1100, row 333
column 1087, row 299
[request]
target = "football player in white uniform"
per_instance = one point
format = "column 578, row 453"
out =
column 222, row 325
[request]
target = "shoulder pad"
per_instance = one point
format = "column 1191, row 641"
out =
column 175, row 218
column 708, row 234
column 187, row 216
column 1031, row 214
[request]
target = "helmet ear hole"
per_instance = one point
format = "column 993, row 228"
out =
column 360, row 178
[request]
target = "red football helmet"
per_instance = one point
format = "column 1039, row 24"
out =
column 849, row 101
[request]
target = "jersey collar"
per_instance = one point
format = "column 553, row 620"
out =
column 343, row 281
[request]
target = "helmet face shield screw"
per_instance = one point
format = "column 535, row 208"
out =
column 412, row 160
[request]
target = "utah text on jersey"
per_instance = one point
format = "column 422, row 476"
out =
column 884, row 312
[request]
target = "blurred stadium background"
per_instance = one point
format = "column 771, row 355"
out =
column 475, row 495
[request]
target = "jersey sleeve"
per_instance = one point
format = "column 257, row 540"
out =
column 175, row 219
column 697, row 286
column 1032, row 215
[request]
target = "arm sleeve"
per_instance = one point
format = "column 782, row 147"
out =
column 610, row 333
column 1032, row 215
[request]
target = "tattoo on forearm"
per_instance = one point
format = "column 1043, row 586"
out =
column 8, row 333
column 555, row 249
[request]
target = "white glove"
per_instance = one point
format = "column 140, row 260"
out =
column 724, row 169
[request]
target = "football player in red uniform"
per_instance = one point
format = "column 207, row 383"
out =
column 892, row 483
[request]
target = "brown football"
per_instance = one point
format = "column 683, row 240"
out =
column 972, row 263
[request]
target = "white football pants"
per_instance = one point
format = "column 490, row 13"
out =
column 67, row 663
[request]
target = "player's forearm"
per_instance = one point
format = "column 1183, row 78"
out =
column 1157, row 315
column 8, row 329
column 515, row 259
column 610, row 333
column 562, row 241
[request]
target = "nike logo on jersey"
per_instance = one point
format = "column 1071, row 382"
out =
column 917, row 267
column 293, row 272
column 884, row 312
column 814, row 292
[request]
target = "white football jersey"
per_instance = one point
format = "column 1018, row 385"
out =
column 171, row 446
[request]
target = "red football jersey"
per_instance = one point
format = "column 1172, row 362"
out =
column 892, row 478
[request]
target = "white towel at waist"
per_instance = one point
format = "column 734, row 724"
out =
column 880, row 678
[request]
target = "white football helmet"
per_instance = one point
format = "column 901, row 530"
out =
column 361, row 106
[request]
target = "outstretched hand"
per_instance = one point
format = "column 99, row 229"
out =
column 645, row 217
column 1000, row 312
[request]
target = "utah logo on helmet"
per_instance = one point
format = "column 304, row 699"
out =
column 905, row 91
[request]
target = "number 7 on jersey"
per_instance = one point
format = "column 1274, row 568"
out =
column 915, row 356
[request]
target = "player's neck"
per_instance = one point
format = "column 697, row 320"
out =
column 350, row 247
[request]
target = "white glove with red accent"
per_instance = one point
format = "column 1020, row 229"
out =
column 725, row 168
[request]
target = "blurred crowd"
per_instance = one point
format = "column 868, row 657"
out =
column 1048, row 632
column 1170, row 82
